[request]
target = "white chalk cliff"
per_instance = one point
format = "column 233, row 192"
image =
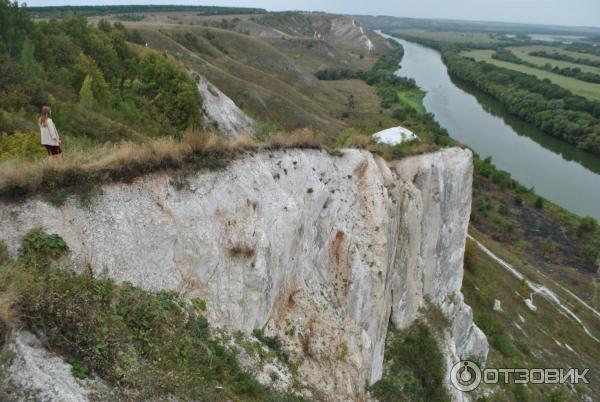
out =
column 321, row 250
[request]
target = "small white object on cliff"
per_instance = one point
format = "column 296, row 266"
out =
column 395, row 136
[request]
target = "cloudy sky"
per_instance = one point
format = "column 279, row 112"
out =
column 562, row 12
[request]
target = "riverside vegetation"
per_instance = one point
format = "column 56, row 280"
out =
column 553, row 109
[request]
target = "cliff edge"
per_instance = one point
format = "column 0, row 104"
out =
column 322, row 251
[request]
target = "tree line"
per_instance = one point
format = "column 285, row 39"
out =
column 574, row 72
column 565, row 57
column 547, row 106
column 383, row 72
column 88, row 11
column 97, row 84
column 582, row 47
column 551, row 108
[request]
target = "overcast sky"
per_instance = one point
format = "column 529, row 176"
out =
column 561, row 12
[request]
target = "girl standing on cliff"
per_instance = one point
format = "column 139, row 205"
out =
column 49, row 133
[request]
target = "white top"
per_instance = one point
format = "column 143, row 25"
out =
column 50, row 134
column 395, row 136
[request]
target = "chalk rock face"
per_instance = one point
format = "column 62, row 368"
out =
column 36, row 375
column 320, row 250
column 221, row 113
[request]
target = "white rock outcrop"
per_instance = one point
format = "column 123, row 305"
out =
column 320, row 250
column 37, row 375
column 219, row 112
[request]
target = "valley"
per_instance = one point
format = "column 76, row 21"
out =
column 225, row 227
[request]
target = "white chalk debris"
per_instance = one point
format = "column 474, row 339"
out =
column 395, row 136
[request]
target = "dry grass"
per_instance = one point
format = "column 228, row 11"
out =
column 82, row 169
column 360, row 141
column 109, row 162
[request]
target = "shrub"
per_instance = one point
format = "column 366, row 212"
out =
column 587, row 225
column 590, row 254
column 505, row 346
column 539, row 202
column 39, row 248
column 273, row 343
column 522, row 393
column 548, row 246
column 415, row 368
column 470, row 253
column 21, row 145
column 154, row 344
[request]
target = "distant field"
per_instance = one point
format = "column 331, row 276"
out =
column 448, row 37
column 586, row 89
column 522, row 52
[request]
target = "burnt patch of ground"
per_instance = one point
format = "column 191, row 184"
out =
column 538, row 234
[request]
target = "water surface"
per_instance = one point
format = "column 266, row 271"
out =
column 558, row 171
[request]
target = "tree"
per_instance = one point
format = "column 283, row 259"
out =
column 539, row 202
column 104, row 25
column 587, row 225
column 86, row 94
column 27, row 59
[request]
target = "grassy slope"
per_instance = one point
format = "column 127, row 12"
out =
column 261, row 80
column 147, row 346
column 269, row 78
column 520, row 337
column 587, row 89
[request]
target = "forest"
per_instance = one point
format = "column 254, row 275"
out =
column 88, row 11
column 381, row 73
column 99, row 85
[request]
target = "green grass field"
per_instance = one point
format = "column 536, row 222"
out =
column 586, row 89
column 414, row 98
column 522, row 52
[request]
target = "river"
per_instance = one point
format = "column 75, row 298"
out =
column 560, row 172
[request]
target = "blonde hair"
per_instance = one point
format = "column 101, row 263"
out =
column 44, row 115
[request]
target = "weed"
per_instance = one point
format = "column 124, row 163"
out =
column 78, row 369
column 39, row 248
column 273, row 343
